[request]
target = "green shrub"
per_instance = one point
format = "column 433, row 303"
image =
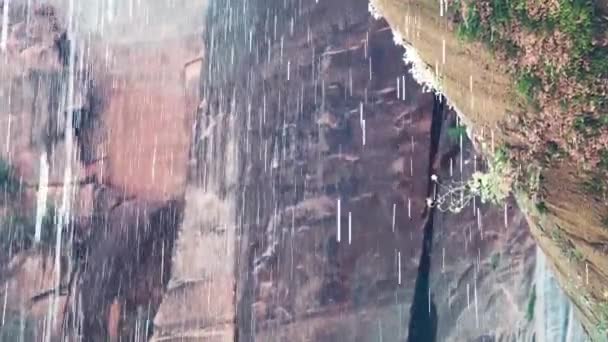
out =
column 494, row 185
column 575, row 18
column 542, row 207
column 531, row 305
column 603, row 164
column 470, row 29
column 598, row 65
column 526, row 84
column 594, row 184
column 575, row 255
column 501, row 12
column 553, row 150
column 587, row 125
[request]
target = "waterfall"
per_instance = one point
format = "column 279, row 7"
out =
column 553, row 312
column 41, row 198
column 4, row 34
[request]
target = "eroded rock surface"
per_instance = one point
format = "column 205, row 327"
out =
column 116, row 139
column 304, row 95
column 299, row 188
column 484, row 258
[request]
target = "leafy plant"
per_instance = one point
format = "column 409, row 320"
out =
column 553, row 151
column 492, row 186
column 587, row 125
column 574, row 254
column 598, row 65
column 603, row 164
column 501, row 12
column 575, row 18
column 526, row 84
column 531, row 305
column 470, row 29
column 542, row 207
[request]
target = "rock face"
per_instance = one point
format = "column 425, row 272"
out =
column 328, row 148
column 292, row 207
column 111, row 115
column 31, row 88
column 484, row 259
column 338, row 171
column 570, row 232
column 31, row 121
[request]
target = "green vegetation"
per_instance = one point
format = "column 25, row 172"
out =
column 595, row 184
column 605, row 221
column 471, row 28
column 491, row 186
column 574, row 254
column 554, row 150
column 575, row 18
column 494, row 186
column 570, row 78
column 557, row 55
column 9, row 183
column 587, row 125
column 456, row 132
column 601, row 333
column 542, row 207
column 527, row 84
column 495, row 261
column 17, row 232
column 566, row 247
column 531, row 305
column 603, row 160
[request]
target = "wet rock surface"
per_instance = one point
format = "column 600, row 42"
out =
column 292, row 207
column 334, row 181
column 484, row 258
column 303, row 99
column 570, row 232
column 107, row 239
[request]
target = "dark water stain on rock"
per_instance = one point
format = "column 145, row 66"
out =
column 423, row 321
